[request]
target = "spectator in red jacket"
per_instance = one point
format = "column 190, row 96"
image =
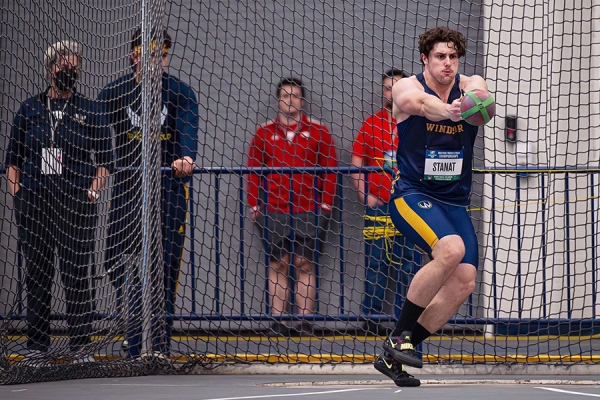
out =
column 292, row 211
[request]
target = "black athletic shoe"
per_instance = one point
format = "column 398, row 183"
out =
column 305, row 328
column 278, row 329
column 402, row 350
column 386, row 364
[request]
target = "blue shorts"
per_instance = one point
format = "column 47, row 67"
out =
column 424, row 221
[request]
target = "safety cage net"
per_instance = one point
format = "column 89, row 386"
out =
column 157, row 218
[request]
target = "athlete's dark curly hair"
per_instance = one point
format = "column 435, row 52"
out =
column 442, row 34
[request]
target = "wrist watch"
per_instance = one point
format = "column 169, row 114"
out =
column 95, row 195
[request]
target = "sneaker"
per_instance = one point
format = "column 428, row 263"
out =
column 36, row 358
column 305, row 328
column 386, row 364
column 402, row 350
column 83, row 359
column 157, row 357
column 278, row 329
column 125, row 349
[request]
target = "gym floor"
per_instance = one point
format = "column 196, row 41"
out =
column 333, row 387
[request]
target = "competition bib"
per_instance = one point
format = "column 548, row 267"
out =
column 443, row 165
column 51, row 161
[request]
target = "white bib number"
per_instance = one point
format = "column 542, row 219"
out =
column 51, row 161
column 443, row 165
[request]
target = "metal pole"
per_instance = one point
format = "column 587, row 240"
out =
column 148, row 173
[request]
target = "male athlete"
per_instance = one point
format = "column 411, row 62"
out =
column 432, row 192
column 121, row 100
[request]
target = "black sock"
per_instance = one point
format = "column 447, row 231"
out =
column 408, row 318
column 419, row 334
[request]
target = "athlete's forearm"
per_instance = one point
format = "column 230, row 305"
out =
column 434, row 109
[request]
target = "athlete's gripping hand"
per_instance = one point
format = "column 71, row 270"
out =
column 183, row 166
column 454, row 110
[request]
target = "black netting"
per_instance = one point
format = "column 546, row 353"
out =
column 167, row 273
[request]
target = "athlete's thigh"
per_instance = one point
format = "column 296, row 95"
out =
column 464, row 226
column 422, row 220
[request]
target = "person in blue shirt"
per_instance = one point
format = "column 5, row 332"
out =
column 58, row 159
column 431, row 193
column 122, row 103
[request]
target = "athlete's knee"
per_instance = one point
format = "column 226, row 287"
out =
column 468, row 286
column 449, row 251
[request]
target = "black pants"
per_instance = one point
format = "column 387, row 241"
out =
column 56, row 225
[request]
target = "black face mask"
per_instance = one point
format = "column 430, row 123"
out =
column 65, row 79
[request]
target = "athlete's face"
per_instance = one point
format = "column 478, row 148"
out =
column 442, row 63
column 290, row 100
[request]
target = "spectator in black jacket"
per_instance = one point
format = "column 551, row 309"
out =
column 56, row 185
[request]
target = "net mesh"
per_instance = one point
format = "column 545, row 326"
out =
column 169, row 274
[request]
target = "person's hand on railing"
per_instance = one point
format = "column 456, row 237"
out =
column 326, row 208
column 183, row 166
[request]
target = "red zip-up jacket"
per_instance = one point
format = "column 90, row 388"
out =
column 306, row 144
column 376, row 143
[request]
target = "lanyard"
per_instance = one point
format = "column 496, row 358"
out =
column 53, row 123
column 393, row 128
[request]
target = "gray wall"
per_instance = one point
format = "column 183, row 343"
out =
column 232, row 53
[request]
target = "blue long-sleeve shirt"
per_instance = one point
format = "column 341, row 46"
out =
column 81, row 133
column 121, row 101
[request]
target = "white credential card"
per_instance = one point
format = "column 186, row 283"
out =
column 51, row 161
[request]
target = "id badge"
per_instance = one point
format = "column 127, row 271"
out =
column 51, row 161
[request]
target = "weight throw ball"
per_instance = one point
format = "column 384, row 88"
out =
column 477, row 107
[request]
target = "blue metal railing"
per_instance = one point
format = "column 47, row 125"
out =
column 343, row 314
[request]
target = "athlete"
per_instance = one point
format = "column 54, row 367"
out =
column 122, row 101
column 432, row 191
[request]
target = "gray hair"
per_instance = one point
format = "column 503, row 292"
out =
column 61, row 49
